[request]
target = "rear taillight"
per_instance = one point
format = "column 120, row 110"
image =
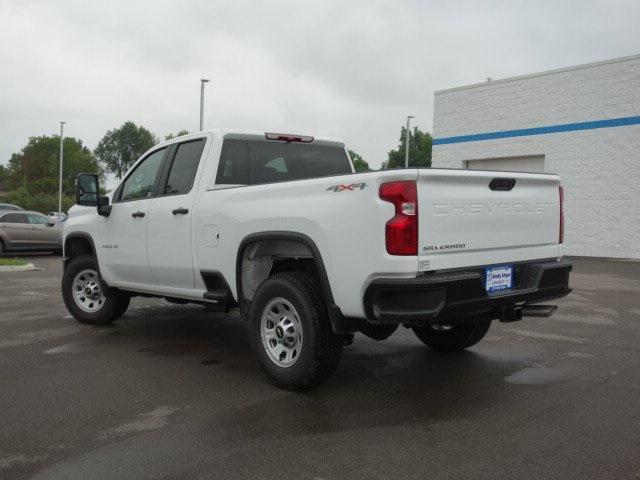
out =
column 561, row 234
column 402, row 230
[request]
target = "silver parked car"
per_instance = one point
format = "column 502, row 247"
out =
column 9, row 206
column 24, row 230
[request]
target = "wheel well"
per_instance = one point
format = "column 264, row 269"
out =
column 261, row 254
column 262, row 258
column 76, row 246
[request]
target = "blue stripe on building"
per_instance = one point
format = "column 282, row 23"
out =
column 525, row 132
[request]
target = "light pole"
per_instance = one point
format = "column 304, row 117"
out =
column 202, row 82
column 406, row 141
column 60, row 178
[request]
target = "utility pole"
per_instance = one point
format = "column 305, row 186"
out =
column 61, row 156
column 202, row 82
column 406, row 141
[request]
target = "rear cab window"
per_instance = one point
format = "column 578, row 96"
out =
column 256, row 162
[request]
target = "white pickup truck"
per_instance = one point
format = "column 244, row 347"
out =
column 310, row 252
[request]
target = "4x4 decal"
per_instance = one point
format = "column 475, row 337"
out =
column 350, row 187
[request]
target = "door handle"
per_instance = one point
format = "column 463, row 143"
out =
column 137, row 214
column 180, row 211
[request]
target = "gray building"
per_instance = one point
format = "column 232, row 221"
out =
column 581, row 122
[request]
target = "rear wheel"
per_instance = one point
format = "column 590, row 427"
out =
column 84, row 294
column 1, row 247
column 290, row 331
column 453, row 338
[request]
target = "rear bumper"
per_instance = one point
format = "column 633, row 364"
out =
column 453, row 295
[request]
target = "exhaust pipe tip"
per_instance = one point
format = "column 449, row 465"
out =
column 513, row 313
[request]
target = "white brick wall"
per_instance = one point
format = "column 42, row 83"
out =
column 600, row 168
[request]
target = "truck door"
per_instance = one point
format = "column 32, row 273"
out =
column 171, row 216
column 124, row 231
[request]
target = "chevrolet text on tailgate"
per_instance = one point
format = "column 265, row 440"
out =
column 310, row 252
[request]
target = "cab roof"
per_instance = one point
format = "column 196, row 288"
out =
column 258, row 135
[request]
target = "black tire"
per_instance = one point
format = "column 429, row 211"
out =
column 1, row 246
column 321, row 347
column 114, row 306
column 243, row 307
column 455, row 339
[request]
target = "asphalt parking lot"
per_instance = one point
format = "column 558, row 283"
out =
column 173, row 392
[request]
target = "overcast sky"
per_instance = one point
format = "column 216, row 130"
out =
column 348, row 69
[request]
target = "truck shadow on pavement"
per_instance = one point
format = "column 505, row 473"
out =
column 370, row 391
column 377, row 384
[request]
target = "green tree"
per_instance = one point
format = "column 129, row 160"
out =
column 4, row 177
column 419, row 150
column 359, row 163
column 121, row 147
column 40, row 202
column 31, row 177
column 36, row 167
column 179, row 134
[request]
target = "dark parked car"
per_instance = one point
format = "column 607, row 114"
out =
column 24, row 230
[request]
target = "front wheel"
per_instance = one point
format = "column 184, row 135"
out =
column 84, row 295
column 290, row 331
column 452, row 338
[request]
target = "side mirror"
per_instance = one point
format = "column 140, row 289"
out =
column 87, row 188
column 51, row 224
column 88, row 193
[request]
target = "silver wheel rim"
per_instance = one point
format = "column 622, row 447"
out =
column 281, row 332
column 87, row 291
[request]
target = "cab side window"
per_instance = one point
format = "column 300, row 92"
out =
column 183, row 168
column 139, row 185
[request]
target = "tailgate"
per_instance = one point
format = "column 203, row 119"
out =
column 466, row 220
